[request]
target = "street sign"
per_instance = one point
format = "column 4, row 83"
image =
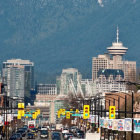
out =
column 77, row 115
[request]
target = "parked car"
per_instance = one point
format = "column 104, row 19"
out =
column 30, row 136
column 44, row 134
column 65, row 130
column 16, row 136
column 77, row 129
column 34, row 129
column 56, row 136
column 25, row 126
column 35, row 134
column 39, row 128
column 80, row 134
column 22, row 132
column 53, row 128
column 73, row 128
column 68, row 135
column 24, row 129
column 44, row 128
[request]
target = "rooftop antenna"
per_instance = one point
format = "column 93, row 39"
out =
column 117, row 34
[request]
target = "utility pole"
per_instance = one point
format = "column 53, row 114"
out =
column 132, row 115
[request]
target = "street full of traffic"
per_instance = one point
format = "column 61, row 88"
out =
column 47, row 132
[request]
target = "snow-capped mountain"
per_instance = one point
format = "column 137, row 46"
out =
column 104, row 2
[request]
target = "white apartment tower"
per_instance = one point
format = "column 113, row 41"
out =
column 114, row 60
column 68, row 81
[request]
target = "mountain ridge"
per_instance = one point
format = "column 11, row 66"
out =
column 58, row 34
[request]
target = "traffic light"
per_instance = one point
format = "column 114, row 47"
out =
column 63, row 111
column 68, row 115
column 58, row 113
column 34, row 115
column 112, row 112
column 21, row 111
column 18, row 117
column 86, row 112
column 77, row 111
column 71, row 109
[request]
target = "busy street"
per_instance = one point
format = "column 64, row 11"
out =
column 48, row 133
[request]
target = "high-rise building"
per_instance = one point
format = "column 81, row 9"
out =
column 100, row 62
column 68, row 81
column 114, row 60
column 19, row 76
column 47, row 89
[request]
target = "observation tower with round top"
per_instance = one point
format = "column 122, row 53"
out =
column 117, row 47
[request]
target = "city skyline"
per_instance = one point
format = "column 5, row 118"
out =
column 55, row 42
column 70, row 69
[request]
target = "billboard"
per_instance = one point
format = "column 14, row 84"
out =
column 110, row 124
column 121, row 125
column 115, row 124
column 105, row 123
column 128, row 124
column 136, row 123
column 101, row 122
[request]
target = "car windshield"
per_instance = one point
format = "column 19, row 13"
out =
column 44, row 132
column 20, row 131
column 81, row 132
column 65, row 129
column 14, row 136
column 18, row 134
column 56, row 134
column 70, row 134
column 56, row 137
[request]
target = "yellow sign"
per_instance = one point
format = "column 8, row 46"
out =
column 112, row 112
column 86, row 112
column 71, row 109
column 68, row 115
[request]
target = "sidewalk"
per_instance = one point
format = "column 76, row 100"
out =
column 92, row 136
